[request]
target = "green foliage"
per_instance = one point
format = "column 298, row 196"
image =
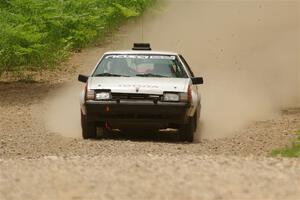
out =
column 39, row 33
column 292, row 151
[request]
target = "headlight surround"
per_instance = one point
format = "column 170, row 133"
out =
column 90, row 94
column 104, row 95
column 174, row 97
column 183, row 97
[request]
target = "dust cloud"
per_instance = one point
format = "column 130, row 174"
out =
column 63, row 111
column 247, row 51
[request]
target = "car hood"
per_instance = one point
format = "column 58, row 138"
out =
column 144, row 85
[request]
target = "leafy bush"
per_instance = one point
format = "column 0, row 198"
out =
column 291, row 151
column 39, row 33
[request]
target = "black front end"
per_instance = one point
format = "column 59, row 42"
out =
column 137, row 113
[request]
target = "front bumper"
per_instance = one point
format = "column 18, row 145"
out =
column 127, row 112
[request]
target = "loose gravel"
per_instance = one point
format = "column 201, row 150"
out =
column 38, row 164
column 150, row 177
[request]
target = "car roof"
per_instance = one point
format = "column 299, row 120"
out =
column 141, row 52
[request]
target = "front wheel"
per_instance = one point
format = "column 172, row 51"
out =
column 88, row 128
column 186, row 131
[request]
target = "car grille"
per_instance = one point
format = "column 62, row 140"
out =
column 120, row 96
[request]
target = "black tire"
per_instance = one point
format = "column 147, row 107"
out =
column 186, row 131
column 88, row 128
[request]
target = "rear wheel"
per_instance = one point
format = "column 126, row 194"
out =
column 88, row 128
column 186, row 131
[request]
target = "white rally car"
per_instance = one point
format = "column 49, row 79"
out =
column 141, row 89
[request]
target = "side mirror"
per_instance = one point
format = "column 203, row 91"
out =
column 197, row 80
column 83, row 78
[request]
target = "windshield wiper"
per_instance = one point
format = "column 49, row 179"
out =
column 110, row 74
column 150, row 75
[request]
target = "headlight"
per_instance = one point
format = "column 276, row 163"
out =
column 103, row 96
column 171, row 97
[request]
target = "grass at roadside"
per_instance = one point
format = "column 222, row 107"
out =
column 291, row 151
column 37, row 34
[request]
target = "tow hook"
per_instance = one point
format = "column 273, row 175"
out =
column 106, row 126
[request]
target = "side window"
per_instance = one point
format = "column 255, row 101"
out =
column 187, row 65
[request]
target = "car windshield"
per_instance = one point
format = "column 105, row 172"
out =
column 130, row 65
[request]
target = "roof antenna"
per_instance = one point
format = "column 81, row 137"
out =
column 142, row 24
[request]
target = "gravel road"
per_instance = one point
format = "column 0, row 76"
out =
column 150, row 177
column 42, row 158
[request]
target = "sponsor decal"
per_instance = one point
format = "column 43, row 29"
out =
column 161, row 57
column 138, row 86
